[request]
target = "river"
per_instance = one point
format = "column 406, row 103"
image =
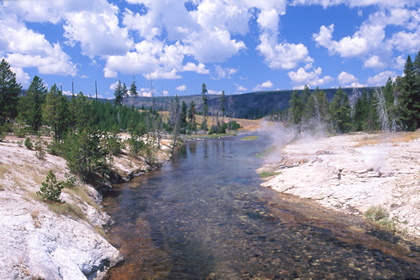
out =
column 204, row 215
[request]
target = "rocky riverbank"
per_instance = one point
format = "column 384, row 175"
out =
column 353, row 174
column 49, row 240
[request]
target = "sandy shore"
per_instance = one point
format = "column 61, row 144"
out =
column 352, row 173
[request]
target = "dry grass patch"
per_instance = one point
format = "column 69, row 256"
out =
column 81, row 195
column 35, row 218
column 4, row 169
column 395, row 138
column 67, row 209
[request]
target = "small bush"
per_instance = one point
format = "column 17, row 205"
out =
column 136, row 146
column 380, row 216
column 376, row 214
column 28, row 143
column 51, row 188
column 112, row 143
column 70, row 181
column 233, row 125
column 40, row 152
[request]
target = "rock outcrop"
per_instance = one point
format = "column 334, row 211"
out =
column 352, row 173
column 49, row 240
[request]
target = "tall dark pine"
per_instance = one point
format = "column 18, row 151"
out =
column 223, row 105
column 205, row 106
column 191, row 115
column 133, row 89
column 9, row 92
column 30, row 105
column 340, row 111
column 119, row 93
column 55, row 111
column 408, row 95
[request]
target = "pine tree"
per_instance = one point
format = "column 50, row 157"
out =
column 191, row 115
column 51, row 188
column 295, row 108
column 55, row 111
column 322, row 100
column 223, row 105
column 205, row 106
column 79, row 112
column 133, row 89
column 9, row 92
column 30, row 105
column 119, row 94
column 183, row 115
column 340, row 111
column 408, row 95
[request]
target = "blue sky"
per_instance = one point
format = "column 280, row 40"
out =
column 171, row 47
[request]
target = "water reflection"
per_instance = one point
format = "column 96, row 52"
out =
column 204, row 216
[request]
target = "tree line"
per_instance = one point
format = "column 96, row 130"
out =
column 84, row 131
column 395, row 106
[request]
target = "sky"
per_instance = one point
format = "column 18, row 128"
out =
column 172, row 47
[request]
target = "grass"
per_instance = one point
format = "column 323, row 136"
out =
column 67, row 209
column 398, row 137
column 80, row 195
column 267, row 174
column 267, row 151
column 250, row 138
column 378, row 215
column 3, row 170
column 209, row 136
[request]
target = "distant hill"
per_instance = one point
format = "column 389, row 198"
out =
column 252, row 105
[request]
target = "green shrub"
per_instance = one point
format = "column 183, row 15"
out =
column 51, row 188
column 113, row 144
column 39, row 148
column 70, row 181
column 380, row 216
column 28, row 143
column 233, row 125
column 136, row 146
column 86, row 155
column 376, row 214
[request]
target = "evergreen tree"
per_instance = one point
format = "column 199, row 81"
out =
column 51, row 188
column 9, row 92
column 408, row 90
column 191, row 115
column 223, row 105
column 340, row 111
column 79, row 112
column 119, row 94
column 295, row 108
column 86, row 154
column 133, row 89
column 361, row 110
column 55, row 111
column 205, row 106
column 30, row 105
column 183, row 115
column 389, row 95
column 322, row 100
column 124, row 90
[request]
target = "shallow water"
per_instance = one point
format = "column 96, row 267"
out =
column 204, row 216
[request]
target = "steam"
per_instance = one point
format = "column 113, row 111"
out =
column 282, row 135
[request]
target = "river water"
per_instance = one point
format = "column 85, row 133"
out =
column 204, row 215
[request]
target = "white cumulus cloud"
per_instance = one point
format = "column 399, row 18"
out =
column 381, row 78
column 181, row 88
column 265, row 85
column 345, row 79
column 308, row 75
